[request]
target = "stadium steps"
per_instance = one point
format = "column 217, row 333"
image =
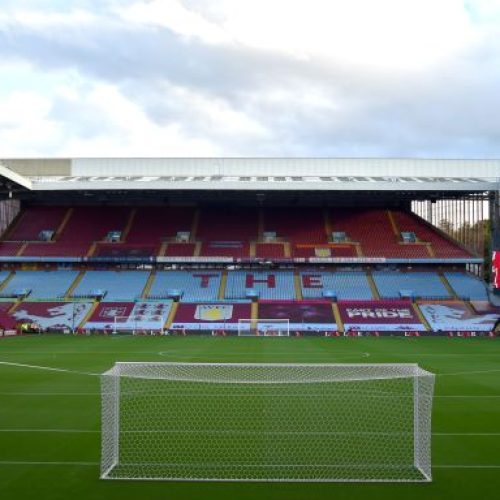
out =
column 328, row 225
column 421, row 317
column 87, row 317
column 194, row 226
column 359, row 250
column 287, row 249
column 171, row 315
column 148, row 285
column 254, row 314
column 197, row 248
column 163, row 249
column 222, row 287
column 338, row 317
column 373, row 286
column 252, row 250
column 75, row 283
column 91, row 250
column 448, row 287
column 430, row 250
column 261, row 225
column 14, row 306
column 21, row 250
column 6, row 281
column 394, row 225
column 64, row 223
column 128, row 225
column 297, row 284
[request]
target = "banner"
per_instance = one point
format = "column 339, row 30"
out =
column 382, row 315
column 52, row 315
column 130, row 315
column 7, row 322
column 210, row 316
column 306, row 315
column 456, row 316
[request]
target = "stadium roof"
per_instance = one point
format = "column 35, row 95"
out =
column 250, row 174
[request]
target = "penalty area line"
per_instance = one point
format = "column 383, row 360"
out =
column 48, row 368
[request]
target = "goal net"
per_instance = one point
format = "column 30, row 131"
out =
column 263, row 327
column 266, row 422
column 135, row 324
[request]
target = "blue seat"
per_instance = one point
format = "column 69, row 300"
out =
column 119, row 285
column 194, row 286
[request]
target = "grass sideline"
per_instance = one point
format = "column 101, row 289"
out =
column 49, row 420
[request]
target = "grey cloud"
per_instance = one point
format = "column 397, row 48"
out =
column 449, row 111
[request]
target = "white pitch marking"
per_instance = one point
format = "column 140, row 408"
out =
column 48, row 368
column 472, row 466
column 473, row 372
column 94, row 431
column 39, row 462
column 95, row 464
column 62, row 431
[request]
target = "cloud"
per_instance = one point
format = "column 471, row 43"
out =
column 260, row 78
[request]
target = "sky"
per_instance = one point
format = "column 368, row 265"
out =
column 299, row 78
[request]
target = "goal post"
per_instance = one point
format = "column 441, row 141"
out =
column 267, row 422
column 263, row 327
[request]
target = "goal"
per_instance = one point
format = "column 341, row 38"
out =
column 266, row 422
column 263, row 327
column 137, row 323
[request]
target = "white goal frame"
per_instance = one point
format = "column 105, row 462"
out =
column 323, row 422
column 263, row 327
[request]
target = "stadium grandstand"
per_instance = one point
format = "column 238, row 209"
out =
column 316, row 246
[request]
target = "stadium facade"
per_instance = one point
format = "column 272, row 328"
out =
column 249, row 245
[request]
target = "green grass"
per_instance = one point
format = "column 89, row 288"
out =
column 466, row 417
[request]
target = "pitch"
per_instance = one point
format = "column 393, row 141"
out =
column 50, row 419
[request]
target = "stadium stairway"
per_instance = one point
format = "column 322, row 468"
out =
column 128, row 225
column 197, row 248
column 223, row 284
column 297, row 284
column 163, row 249
column 373, row 286
column 14, row 306
column 394, row 225
column 171, row 315
column 254, row 314
column 63, row 223
column 149, row 284
column 328, row 225
column 6, row 281
column 195, row 224
column 338, row 317
column 21, row 249
column 287, row 249
column 252, row 249
column 92, row 249
column 91, row 311
column 73, row 285
column 447, row 285
column 260, row 224
column 421, row 317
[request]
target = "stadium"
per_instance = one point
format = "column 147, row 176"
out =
column 355, row 261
